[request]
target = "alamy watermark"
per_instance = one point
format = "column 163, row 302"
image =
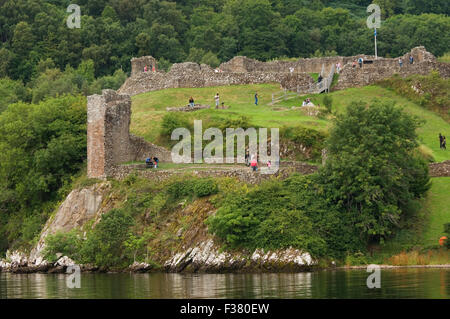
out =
column 74, row 20
column 374, row 279
column 73, row 280
column 257, row 149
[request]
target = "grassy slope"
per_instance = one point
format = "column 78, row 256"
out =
column 149, row 108
column 437, row 207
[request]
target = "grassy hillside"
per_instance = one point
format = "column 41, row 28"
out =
column 149, row 108
column 437, row 208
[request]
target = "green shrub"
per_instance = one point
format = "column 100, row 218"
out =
column 105, row 244
column 192, row 187
column 172, row 121
column 267, row 217
column 205, row 187
column 68, row 244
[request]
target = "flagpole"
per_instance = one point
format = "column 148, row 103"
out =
column 376, row 55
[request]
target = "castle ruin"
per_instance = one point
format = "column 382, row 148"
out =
column 292, row 75
column 109, row 142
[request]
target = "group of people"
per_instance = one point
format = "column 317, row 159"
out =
column 146, row 68
column 307, row 102
column 253, row 162
column 361, row 61
column 442, row 142
column 152, row 162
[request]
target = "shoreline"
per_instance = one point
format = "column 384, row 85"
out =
column 93, row 270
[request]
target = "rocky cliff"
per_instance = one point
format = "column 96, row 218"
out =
column 187, row 247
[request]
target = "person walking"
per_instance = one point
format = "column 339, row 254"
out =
column 191, row 101
column 400, row 62
column 411, row 59
column 217, row 99
column 444, row 143
column 254, row 164
column 256, row 98
column 441, row 139
column 360, row 61
column 155, row 161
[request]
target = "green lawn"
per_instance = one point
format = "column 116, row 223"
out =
column 428, row 133
column 149, row 108
column 437, row 210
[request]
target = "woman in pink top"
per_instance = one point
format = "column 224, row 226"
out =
column 254, row 164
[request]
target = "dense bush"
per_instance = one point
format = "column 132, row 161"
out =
column 192, row 187
column 372, row 173
column 280, row 214
column 65, row 243
column 41, row 146
column 105, row 244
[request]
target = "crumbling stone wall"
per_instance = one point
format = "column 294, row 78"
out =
column 109, row 142
column 382, row 68
column 243, row 174
column 243, row 70
column 138, row 64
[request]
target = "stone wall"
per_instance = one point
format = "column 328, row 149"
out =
column 108, row 139
column 382, row 68
column 243, row 70
column 440, row 169
column 138, row 64
column 243, row 174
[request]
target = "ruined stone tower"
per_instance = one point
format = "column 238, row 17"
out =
column 109, row 141
column 108, row 132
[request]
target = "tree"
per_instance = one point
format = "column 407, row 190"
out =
column 372, row 173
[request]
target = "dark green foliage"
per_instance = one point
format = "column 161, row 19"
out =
column 11, row 92
column 41, row 146
column 371, row 173
column 105, row 245
column 192, row 187
column 172, row 121
column 67, row 244
column 114, row 31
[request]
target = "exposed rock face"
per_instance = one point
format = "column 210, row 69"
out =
column 65, row 262
column 79, row 206
column 206, row 257
column 108, row 139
